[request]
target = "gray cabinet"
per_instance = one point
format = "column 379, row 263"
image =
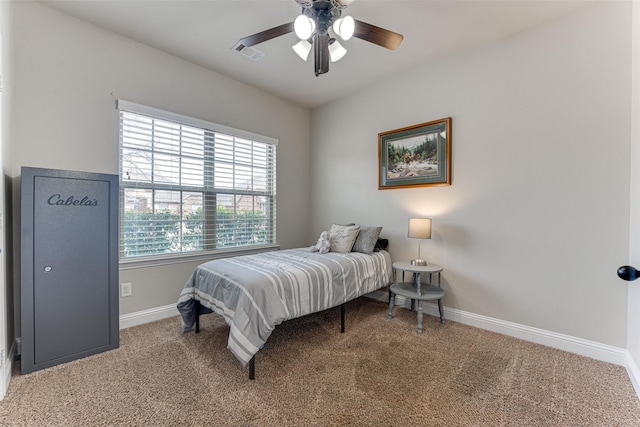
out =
column 69, row 266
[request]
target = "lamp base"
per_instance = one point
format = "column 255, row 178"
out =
column 419, row 262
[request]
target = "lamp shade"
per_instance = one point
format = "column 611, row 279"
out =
column 419, row 228
column 302, row 48
column 336, row 51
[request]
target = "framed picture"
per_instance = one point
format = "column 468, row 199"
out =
column 415, row 156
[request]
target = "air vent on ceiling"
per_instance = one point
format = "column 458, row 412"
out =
column 249, row 52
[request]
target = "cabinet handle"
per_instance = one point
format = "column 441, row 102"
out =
column 626, row 272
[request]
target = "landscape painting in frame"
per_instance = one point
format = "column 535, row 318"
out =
column 415, row 156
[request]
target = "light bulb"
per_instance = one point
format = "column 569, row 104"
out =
column 304, row 27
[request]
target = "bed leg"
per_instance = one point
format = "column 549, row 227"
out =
column 197, row 317
column 252, row 368
column 342, row 318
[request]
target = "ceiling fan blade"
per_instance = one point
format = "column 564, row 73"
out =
column 377, row 35
column 321, row 54
column 265, row 35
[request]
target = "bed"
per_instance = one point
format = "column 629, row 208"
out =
column 255, row 293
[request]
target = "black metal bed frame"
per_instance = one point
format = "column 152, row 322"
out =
column 252, row 362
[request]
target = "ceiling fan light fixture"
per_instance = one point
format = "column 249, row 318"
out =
column 319, row 26
column 336, row 51
column 304, row 27
column 302, row 48
column 344, row 27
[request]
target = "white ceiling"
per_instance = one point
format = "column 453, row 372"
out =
column 203, row 33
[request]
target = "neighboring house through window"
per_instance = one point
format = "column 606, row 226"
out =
column 190, row 186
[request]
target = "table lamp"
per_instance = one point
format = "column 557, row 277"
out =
column 419, row 228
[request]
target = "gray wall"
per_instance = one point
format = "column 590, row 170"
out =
column 68, row 75
column 537, row 219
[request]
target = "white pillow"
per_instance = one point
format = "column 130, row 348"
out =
column 342, row 237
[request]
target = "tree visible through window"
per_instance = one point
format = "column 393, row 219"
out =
column 190, row 186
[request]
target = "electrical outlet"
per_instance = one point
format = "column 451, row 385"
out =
column 125, row 290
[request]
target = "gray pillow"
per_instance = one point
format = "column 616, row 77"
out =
column 366, row 240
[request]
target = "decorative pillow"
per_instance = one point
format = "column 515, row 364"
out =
column 381, row 245
column 366, row 240
column 342, row 237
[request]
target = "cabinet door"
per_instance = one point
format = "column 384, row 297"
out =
column 69, row 300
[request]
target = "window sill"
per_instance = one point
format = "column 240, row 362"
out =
column 160, row 260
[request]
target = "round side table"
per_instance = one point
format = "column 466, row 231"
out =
column 415, row 290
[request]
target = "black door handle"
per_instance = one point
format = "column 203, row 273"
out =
column 626, row 272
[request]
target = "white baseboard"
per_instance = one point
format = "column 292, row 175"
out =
column 633, row 372
column 5, row 371
column 595, row 350
column 146, row 316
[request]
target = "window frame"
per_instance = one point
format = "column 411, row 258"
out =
column 203, row 254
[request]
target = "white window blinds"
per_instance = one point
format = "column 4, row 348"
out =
column 188, row 185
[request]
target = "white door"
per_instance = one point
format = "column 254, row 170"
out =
column 633, row 305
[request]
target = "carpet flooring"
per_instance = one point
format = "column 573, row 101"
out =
column 378, row 373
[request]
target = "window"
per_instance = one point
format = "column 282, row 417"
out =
column 189, row 186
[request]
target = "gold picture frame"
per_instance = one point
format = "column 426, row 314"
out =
column 415, row 156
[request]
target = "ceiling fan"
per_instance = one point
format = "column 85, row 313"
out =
column 312, row 27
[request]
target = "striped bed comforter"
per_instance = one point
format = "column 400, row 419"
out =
column 254, row 293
